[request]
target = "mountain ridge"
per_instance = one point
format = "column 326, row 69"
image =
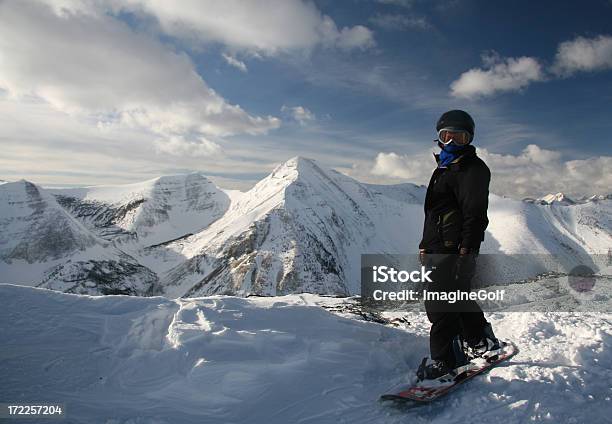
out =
column 302, row 228
column 42, row 244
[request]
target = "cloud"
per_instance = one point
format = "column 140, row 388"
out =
column 513, row 74
column 399, row 22
column 232, row 61
column 178, row 146
column 41, row 145
column 357, row 37
column 534, row 172
column 500, row 74
column 96, row 68
column 299, row 113
column 264, row 26
column 583, row 54
column 404, row 167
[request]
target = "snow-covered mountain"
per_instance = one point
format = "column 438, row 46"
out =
column 150, row 212
column 223, row 359
column 300, row 229
column 304, row 227
column 575, row 233
column 556, row 198
column 562, row 198
column 42, row 244
column 35, row 228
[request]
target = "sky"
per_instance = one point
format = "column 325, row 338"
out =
column 108, row 92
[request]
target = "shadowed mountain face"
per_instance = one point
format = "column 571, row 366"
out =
column 147, row 213
column 34, row 228
column 302, row 228
column 42, row 244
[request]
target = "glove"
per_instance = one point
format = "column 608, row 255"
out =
column 465, row 266
column 468, row 251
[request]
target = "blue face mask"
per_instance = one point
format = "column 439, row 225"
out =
column 452, row 148
column 449, row 153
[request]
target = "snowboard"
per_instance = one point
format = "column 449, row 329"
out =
column 427, row 391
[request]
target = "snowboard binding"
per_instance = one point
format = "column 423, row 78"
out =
column 433, row 369
column 487, row 346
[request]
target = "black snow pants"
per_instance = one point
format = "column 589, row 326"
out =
column 452, row 272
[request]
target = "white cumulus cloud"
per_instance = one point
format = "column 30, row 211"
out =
column 499, row 74
column 96, row 68
column 178, row 146
column 299, row 113
column 261, row 26
column 414, row 169
column 236, row 63
column 512, row 74
column 534, row 172
column 583, row 54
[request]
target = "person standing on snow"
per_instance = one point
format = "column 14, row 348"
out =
column 455, row 221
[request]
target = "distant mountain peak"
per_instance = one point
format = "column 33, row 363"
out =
column 35, row 228
column 556, row 198
column 295, row 165
column 300, row 160
column 188, row 176
column 21, row 191
column 297, row 168
column 597, row 197
column 562, row 199
column 160, row 209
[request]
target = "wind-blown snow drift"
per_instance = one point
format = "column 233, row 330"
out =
column 121, row 359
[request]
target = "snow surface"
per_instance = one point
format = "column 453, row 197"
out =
column 223, row 359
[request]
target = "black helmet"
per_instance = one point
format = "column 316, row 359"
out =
column 456, row 119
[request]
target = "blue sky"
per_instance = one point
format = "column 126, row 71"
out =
column 96, row 92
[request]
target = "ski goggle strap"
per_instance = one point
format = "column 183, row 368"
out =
column 456, row 136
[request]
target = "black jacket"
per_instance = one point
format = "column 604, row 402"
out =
column 456, row 205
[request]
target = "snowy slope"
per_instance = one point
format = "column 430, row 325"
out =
column 530, row 236
column 118, row 359
column 41, row 244
column 150, row 212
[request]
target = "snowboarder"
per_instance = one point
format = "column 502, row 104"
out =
column 455, row 222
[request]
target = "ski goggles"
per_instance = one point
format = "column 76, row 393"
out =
column 452, row 135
